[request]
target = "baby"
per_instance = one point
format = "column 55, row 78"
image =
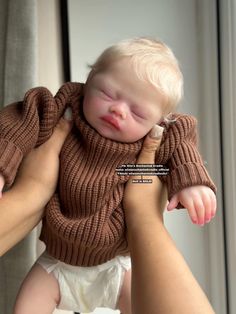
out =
column 132, row 86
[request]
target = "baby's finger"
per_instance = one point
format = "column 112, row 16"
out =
column 191, row 211
column 208, row 207
column 213, row 205
column 173, row 202
column 200, row 210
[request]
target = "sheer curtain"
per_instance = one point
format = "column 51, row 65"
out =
column 18, row 73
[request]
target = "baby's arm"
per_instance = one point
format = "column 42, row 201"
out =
column 2, row 182
column 29, row 123
column 189, row 184
column 199, row 200
column 24, row 125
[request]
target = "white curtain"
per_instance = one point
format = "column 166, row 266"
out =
column 18, row 73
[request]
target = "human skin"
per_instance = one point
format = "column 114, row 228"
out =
column 21, row 207
column 132, row 106
column 162, row 283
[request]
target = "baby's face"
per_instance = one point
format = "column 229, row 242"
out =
column 120, row 106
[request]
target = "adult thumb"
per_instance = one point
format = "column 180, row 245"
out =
column 151, row 145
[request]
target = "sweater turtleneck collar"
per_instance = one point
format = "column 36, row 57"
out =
column 92, row 140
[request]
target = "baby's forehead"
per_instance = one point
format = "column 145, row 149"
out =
column 122, row 76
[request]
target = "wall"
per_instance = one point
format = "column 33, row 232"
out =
column 50, row 72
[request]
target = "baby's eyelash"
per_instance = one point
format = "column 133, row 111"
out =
column 105, row 94
column 138, row 115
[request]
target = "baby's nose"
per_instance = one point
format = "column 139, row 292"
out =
column 119, row 110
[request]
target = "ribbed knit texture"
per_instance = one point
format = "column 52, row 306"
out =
column 84, row 223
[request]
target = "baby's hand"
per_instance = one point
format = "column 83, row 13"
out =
column 199, row 200
column 2, row 182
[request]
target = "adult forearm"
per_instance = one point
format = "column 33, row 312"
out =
column 8, row 240
column 21, row 208
column 20, row 212
column 160, row 275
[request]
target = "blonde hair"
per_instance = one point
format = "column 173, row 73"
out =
column 153, row 61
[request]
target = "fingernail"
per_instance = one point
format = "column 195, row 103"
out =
column 156, row 132
column 68, row 114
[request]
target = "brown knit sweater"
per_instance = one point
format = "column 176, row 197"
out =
column 84, row 222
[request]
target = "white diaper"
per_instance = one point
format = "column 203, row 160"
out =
column 85, row 288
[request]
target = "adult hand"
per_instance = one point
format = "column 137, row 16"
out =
column 162, row 282
column 140, row 196
column 22, row 206
column 39, row 169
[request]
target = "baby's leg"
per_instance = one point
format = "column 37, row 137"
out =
column 124, row 302
column 39, row 293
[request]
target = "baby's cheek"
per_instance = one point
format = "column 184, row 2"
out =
column 139, row 131
column 134, row 132
column 91, row 108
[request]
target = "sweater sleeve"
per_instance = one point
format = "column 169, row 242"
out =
column 179, row 153
column 24, row 125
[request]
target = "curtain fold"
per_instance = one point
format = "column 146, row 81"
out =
column 18, row 73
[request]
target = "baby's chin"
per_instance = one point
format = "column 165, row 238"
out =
column 113, row 135
column 117, row 137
